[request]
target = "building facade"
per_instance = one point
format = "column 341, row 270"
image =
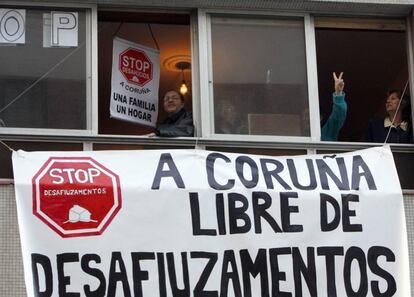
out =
column 259, row 74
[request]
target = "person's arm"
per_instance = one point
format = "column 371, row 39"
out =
column 183, row 127
column 336, row 119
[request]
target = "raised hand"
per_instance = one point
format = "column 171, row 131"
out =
column 338, row 83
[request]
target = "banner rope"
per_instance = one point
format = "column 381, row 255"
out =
column 153, row 37
column 197, row 138
column 119, row 28
column 398, row 108
column 3, row 143
column 196, row 144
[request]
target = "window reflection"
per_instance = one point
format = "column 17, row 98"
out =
column 43, row 86
column 259, row 74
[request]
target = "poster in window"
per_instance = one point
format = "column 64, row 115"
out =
column 135, row 83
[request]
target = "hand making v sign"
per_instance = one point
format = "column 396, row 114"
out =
column 339, row 83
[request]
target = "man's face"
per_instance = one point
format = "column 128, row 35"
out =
column 172, row 102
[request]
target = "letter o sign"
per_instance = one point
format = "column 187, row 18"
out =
column 12, row 25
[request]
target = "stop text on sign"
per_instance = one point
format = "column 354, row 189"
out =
column 73, row 175
column 135, row 64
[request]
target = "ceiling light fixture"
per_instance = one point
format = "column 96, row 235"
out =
column 183, row 66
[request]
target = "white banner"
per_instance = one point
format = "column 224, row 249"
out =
column 200, row 223
column 135, row 83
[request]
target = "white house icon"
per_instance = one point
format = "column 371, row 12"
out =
column 79, row 214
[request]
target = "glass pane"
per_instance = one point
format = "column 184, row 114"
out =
column 405, row 168
column 6, row 170
column 259, row 75
column 58, row 99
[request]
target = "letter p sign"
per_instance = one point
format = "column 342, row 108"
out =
column 64, row 28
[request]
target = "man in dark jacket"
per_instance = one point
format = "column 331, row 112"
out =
column 179, row 122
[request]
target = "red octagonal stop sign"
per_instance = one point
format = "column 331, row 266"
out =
column 76, row 196
column 135, row 66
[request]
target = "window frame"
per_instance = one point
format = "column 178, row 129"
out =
column 206, row 79
column 202, row 105
column 409, row 31
column 201, row 47
column 195, row 78
column 409, row 23
column 206, row 75
column 91, row 71
column 370, row 23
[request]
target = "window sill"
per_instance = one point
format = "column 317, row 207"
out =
column 191, row 142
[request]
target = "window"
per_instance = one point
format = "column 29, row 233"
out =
column 259, row 76
column 372, row 55
column 6, row 170
column 44, row 86
column 405, row 167
column 168, row 32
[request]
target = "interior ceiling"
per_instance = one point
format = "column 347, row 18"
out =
column 170, row 32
